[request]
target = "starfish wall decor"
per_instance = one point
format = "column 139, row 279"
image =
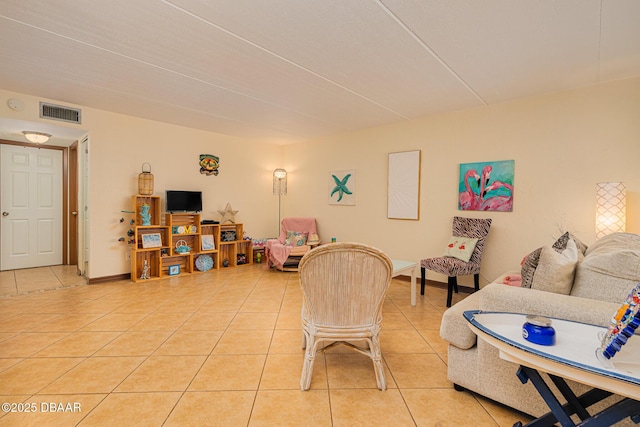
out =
column 342, row 185
column 228, row 215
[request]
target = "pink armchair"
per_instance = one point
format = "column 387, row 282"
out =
column 286, row 257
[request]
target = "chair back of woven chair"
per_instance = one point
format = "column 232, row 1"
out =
column 476, row 228
column 344, row 284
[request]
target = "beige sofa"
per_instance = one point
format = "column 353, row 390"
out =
column 601, row 278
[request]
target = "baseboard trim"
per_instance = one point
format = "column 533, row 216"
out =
column 105, row 279
column 436, row 284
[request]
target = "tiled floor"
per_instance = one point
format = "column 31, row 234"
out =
column 221, row 348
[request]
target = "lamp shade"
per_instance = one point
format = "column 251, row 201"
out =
column 279, row 182
column 611, row 206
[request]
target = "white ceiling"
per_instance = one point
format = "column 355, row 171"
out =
column 284, row 71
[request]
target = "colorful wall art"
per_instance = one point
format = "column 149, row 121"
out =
column 342, row 188
column 486, row 186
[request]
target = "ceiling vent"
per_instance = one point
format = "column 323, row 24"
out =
column 58, row 112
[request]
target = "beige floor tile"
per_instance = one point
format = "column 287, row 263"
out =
column 242, row 341
column 229, row 372
column 66, row 323
column 208, row 321
column 446, row 407
column 289, row 320
column 253, row 321
column 286, row 341
column 78, row 344
column 54, row 410
column 132, row 409
column 395, row 320
column 261, row 305
column 283, row 371
column 222, row 304
column 141, row 343
column 435, row 341
column 212, row 408
column 369, row 407
column 163, row 373
column 94, row 375
column 161, row 320
column 24, row 322
column 291, row 408
column 28, row 344
column 403, row 341
column 114, row 322
column 184, row 342
column 32, row 375
column 353, row 370
column 504, row 416
column 418, row 371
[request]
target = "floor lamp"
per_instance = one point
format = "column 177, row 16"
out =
column 279, row 188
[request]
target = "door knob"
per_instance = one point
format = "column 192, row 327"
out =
column 74, row 213
column 5, row 213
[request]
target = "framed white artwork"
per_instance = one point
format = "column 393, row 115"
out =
column 403, row 196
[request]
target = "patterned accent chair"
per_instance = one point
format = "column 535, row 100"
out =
column 452, row 267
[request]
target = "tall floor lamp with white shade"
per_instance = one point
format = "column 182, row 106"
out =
column 279, row 188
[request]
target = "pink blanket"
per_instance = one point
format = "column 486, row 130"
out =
column 513, row 280
column 276, row 251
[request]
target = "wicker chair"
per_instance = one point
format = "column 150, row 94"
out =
column 287, row 258
column 343, row 286
column 453, row 267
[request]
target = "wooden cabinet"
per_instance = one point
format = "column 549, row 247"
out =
column 159, row 250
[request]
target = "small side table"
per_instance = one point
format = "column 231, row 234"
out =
column 401, row 267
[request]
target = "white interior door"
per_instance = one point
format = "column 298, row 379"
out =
column 31, row 206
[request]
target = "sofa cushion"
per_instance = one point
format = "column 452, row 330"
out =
column 555, row 270
column 561, row 244
column 610, row 269
column 454, row 328
column 296, row 238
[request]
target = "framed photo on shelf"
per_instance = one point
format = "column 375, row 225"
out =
column 207, row 242
column 174, row 270
column 151, row 240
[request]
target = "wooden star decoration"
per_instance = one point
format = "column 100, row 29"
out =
column 228, row 215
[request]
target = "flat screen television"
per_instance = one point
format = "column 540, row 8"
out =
column 184, row 201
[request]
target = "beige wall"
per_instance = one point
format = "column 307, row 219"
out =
column 118, row 145
column 562, row 144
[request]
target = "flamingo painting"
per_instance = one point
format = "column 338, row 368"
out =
column 491, row 190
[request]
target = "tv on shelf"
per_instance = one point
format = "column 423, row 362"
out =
column 184, row 201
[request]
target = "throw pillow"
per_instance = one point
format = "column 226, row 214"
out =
column 295, row 238
column 529, row 264
column 555, row 270
column 461, row 248
column 561, row 244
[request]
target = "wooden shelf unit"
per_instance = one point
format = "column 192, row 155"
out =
column 182, row 227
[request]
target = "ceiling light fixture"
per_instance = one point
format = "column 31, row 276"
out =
column 36, row 137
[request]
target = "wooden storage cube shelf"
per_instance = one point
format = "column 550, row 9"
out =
column 192, row 241
column 154, row 208
column 152, row 256
column 214, row 257
column 227, row 251
column 245, row 247
column 184, row 261
column 151, row 229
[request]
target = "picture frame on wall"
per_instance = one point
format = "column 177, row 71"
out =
column 403, row 191
column 342, row 187
column 151, row 240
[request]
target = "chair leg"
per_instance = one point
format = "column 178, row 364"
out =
column 422, row 278
column 476, row 281
column 451, row 286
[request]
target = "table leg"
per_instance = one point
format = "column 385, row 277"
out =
column 413, row 287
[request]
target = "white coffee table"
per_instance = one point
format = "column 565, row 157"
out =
column 407, row 268
column 572, row 357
